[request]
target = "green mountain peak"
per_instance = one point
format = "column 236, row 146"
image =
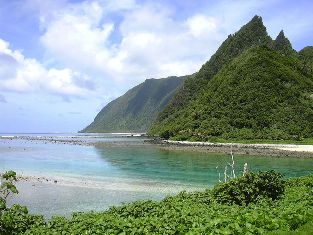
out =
column 261, row 94
column 251, row 88
column 252, row 34
column 282, row 44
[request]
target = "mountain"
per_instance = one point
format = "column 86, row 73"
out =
column 137, row 108
column 282, row 44
column 306, row 55
column 258, row 89
column 251, row 34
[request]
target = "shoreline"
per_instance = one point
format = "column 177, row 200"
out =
column 274, row 150
column 62, row 195
column 45, row 194
column 108, row 183
column 52, row 194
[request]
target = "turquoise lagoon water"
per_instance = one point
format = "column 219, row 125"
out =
column 123, row 170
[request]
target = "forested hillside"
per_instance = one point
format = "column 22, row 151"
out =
column 306, row 55
column 253, row 33
column 137, row 108
column 256, row 88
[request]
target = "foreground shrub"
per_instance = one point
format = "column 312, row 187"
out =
column 250, row 188
column 16, row 219
column 303, row 230
column 306, row 181
column 7, row 187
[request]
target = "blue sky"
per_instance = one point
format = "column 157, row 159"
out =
column 61, row 61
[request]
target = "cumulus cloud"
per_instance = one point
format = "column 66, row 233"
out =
column 157, row 44
column 81, row 40
column 151, row 43
column 21, row 74
column 124, row 42
column 199, row 25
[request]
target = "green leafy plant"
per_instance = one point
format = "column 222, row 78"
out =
column 16, row 219
column 7, row 187
column 250, row 188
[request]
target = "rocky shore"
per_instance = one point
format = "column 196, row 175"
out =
column 274, row 150
column 49, row 139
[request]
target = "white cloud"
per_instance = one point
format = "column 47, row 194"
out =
column 124, row 42
column 161, row 46
column 199, row 25
column 151, row 42
column 80, row 43
column 20, row 74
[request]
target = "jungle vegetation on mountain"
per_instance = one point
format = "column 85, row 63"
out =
column 137, row 108
column 252, row 88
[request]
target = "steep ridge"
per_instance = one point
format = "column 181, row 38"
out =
column 251, row 34
column 282, row 44
column 137, row 108
column 265, row 92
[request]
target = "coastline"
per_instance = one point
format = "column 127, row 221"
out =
column 51, row 194
column 108, row 183
column 62, row 195
column 274, row 150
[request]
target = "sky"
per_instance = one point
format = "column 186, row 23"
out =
column 62, row 61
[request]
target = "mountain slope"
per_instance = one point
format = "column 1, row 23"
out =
column 261, row 94
column 306, row 55
column 137, row 108
column 251, row 34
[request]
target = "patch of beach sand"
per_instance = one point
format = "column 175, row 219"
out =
column 296, row 148
column 109, row 183
column 284, row 147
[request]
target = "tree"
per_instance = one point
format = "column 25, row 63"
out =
column 7, row 187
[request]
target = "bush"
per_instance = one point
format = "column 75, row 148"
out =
column 166, row 134
column 306, row 181
column 250, row 188
column 14, row 220
column 7, row 187
column 17, row 220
